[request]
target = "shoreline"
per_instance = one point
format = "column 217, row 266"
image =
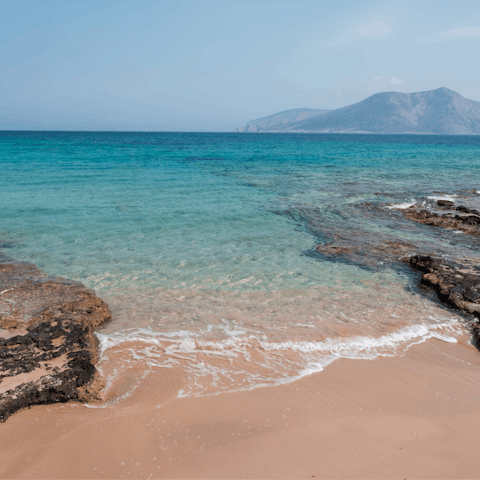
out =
column 411, row 415
column 50, row 353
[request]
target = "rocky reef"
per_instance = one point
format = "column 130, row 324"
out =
column 48, row 349
column 455, row 282
column 461, row 218
column 453, row 278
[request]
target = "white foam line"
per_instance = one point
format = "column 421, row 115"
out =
column 277, row 367
column 310, row 370
column 401, row 206
column 332, row 346
column 336, row 346
column 451, row 198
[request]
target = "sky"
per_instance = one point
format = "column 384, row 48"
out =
column 208, row 65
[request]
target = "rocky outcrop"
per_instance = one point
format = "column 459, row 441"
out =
column 454, row 279
column 466, row 220
column 456, row 283
column 48, row 349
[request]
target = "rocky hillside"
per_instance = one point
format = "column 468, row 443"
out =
column 273, row 122
column 440, row 111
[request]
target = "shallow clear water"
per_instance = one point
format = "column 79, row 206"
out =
column 203, row 244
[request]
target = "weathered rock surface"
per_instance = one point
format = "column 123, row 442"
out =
column 47, row 344
column 466, row 220
column 456, row 283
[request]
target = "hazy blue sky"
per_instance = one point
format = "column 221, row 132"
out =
column 214, row 65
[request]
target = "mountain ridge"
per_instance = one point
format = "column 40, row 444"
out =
column 277, row 119
column 439, row 111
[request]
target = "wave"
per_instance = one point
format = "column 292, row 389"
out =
column 244, row 362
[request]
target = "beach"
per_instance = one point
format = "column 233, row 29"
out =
column 407, row 416
column 239, row 240
column 228, row 306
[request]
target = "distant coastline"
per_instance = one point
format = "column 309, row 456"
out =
column 434, row 112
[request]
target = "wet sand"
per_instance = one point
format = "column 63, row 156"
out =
column 411, row 416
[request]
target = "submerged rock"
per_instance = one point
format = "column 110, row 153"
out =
column 455, row 282
column 461, row 218
column 365, row 252
column 48, row 349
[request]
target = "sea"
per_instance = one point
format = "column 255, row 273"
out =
column 204, row 244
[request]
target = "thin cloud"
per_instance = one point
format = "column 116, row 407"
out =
column 378, row 27
column 463, row 32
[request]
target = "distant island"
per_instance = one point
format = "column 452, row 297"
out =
column 441, row 111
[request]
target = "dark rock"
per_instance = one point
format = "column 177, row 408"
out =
column 468, row 222
column 463, row 209
column 48, row 349
column 456, row 283
column 476, row 336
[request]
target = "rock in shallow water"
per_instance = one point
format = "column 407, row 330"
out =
column 47, row 345
column 461, row 218
column 456, row 283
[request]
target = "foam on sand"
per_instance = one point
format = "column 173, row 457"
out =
column 244, row 362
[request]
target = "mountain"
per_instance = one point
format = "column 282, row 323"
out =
column 440, row 111
column 279, row 119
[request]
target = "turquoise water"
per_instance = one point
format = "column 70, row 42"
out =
column 195, row 236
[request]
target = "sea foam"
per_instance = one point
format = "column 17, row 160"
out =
column 246, row 362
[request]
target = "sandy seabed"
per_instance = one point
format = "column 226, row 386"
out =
column 416, row 415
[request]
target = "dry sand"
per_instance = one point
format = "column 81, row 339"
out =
column 400, row 417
